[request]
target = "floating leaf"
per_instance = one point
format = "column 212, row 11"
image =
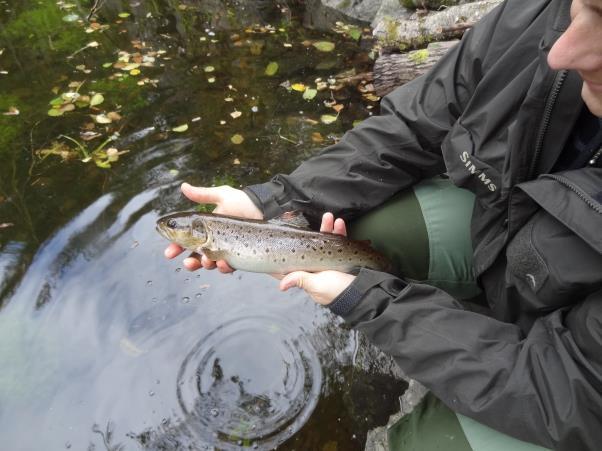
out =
column 96, row 99
column 328, row 118
column 309, row 93
column 271, row 69
column 114, row 116
column 355, row 34
column 102, row 119
column 12, row 111
column 324, row 46
column 317, row 137
column 209, row 69
column 71, row 18
column 298, row 87
column 237, row 139
column 180, row 128
column 135, row 72
column 235, row 114
column 211, row 80
column 124, row 15
column 67, row 107
column 92, row 44
column 54, row 112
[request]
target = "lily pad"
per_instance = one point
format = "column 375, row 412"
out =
column 271, row 69
column 324, row 46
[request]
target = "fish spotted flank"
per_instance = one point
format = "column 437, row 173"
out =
column 265, row 246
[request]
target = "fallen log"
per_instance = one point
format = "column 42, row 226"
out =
column 418, row 30
column 396, row 69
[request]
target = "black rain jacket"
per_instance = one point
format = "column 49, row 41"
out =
column 495, row 117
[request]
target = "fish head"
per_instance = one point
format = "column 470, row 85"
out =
column 185, row 229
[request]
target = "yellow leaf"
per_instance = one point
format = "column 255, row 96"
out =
column 237, row 139
column 298, row 87
column 180, row 128
column 96, row 99
column 328, row 118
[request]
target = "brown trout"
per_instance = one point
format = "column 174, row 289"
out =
column 267, row 246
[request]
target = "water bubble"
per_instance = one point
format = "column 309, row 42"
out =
column 151, row 393
column 68, row 445
column 214, row 412
column 178, row 269
column 185, row 300
column 149, row 283
column 187, row 279
column 164, row 421
column 198, row 295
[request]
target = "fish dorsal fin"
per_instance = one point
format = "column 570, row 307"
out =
column 291, row 218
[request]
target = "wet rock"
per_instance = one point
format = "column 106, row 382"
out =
column 377, row 437
column 364, row 10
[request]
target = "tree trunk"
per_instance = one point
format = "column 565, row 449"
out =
column 395, row 69
column 395, row 35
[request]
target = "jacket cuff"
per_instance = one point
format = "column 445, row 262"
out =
column 263, row 198
column 366, row 280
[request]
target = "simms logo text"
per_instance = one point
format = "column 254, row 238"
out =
column 465, row 157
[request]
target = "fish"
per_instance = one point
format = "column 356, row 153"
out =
column 277, row 246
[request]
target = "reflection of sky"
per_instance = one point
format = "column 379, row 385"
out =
column 116, row 320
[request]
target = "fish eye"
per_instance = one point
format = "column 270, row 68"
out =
column 172, row 223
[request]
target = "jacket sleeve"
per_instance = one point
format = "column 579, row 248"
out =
column 544, row 387
column 389, row 152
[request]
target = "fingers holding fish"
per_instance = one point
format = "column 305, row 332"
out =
column 323, row 287
column 228, row 200
column 173, row 250
column 332, row 225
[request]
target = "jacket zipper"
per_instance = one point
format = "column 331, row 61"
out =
column 545, row 122
column 578, row 191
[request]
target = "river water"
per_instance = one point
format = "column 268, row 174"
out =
column 103, row 343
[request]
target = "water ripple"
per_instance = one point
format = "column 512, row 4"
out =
column 252, row 382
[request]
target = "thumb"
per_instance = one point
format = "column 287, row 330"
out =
column 300, row 279
column 201, row 195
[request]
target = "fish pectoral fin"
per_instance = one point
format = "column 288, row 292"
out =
column 291, row 218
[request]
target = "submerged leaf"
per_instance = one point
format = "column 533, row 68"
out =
column 271, row 69
column 324, row 46
column 237, row 139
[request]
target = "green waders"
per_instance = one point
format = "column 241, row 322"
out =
column 425, row 231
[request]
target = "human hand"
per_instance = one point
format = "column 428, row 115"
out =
column 228, row 201
column 323, row 286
